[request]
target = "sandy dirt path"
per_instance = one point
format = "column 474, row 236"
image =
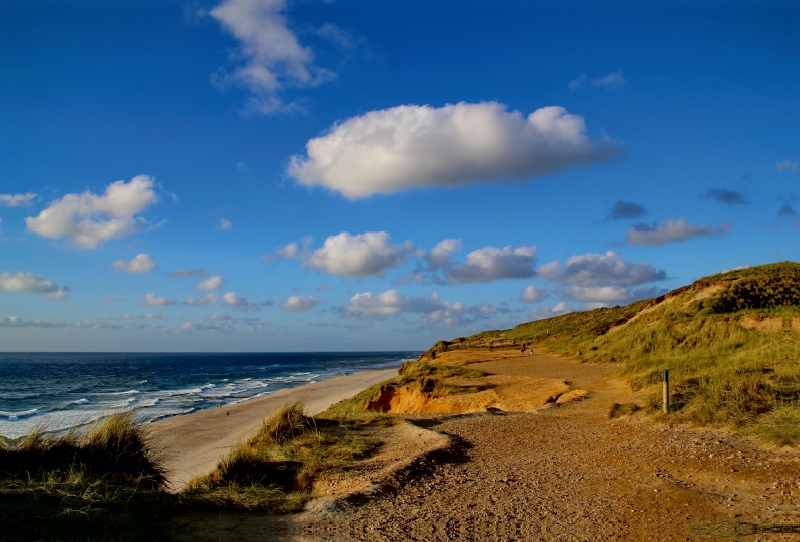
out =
column 571, row 473
column 194, row 443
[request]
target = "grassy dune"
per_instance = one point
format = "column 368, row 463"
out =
column 731, row 342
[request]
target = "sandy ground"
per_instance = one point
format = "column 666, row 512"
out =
column 559, row 473
column 194, row 443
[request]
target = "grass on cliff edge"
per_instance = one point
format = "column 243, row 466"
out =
column 731, row 342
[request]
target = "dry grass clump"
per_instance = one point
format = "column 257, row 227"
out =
column 103, row 484
column 276, row 468
column 781, row 427
column 625, row 409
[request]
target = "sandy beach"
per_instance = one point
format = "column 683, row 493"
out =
column 195, row 442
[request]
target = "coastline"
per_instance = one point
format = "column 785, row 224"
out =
column 193, row 443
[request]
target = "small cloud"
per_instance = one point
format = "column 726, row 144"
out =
column 31, row 284
column 224, row 224
column 127, row 316
column 671, row 231
column 142, row 263
column 187, row 325
column 786, row 165
column 18, row 200
column 547, row 312
column 298, row 303
column 220, row 316
column 241, row 303
column 110, row 299
column 612, row 81
column 580, row 82
column 203, row 301
column 182, row 274
column 153, row 316
column 623, row 210
column 57, row 296
column 726, row 197
column 212, row 283
column 787, row 210
column 16, row 321
column 532, row 294
column 151, row 300
column 374, row 307
column 323, row 287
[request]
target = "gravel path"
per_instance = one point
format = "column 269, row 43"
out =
column 570, row 473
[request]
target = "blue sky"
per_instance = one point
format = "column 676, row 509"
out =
column 275, row 175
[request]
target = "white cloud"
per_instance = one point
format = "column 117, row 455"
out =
column 224, row 224
column 17, row 200
column 151, row 300
column 413, row 146
column 299, row 303
column 374, row 307
column 241, row 303
column 787, row 165
column 33, row 284
column 440, row 256
column 220, row 316
column 531, row 294
column 490, row 263
column 154, row 315
column 270, row 57
column 211, row 283
column 203, row 301
column 355, row 256
column 601, row 279
column 188, row 325
column 90, row 220
column 671, row 231
column 548, row 312
column 435, row 310
column 142, row 263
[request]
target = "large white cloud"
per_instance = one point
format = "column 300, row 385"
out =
column 90, row 220
column 369, row 254
column 142, row 263
column 270, row 57
column 671, row 231
column 532, row 294
column 412, row 146
column 16, row 200
column 374, row 307
column 299, row 303
column 602, row 279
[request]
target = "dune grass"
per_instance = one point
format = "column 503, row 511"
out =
column 731, row 343
column 275, row 469
column 103, row 484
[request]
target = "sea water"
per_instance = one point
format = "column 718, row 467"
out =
column 65, row 390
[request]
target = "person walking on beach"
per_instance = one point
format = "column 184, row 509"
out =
column 523, row 349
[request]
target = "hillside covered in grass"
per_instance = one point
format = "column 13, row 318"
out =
column 731, row 342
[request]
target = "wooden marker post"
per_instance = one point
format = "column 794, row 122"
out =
column 666, row 391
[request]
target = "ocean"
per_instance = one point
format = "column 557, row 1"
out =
column 63, row 390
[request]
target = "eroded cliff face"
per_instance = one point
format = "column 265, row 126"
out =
column 490, row 393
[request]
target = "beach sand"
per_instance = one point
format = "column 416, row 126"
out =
column 195, row 442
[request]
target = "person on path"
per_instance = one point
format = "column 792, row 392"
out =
column 523, row 349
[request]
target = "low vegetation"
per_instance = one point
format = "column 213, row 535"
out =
column 731, row 342
column 276, row 468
